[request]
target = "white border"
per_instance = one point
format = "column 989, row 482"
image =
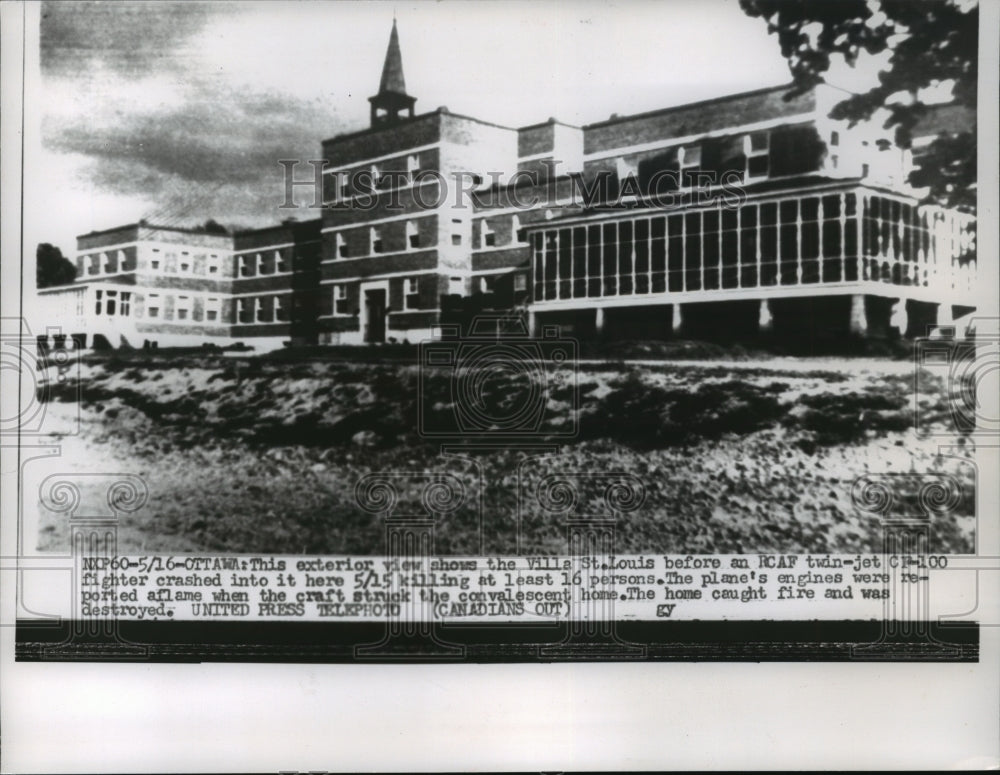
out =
column 106, row 718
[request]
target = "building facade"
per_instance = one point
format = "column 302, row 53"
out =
column 751, row 213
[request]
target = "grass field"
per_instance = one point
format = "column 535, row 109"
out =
column 755, row 454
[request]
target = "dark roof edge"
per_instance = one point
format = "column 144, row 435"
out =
column 147, row 225
column 395, row 125
column 659, row 111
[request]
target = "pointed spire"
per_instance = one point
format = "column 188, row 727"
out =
column 392, row 70
column 392, row 98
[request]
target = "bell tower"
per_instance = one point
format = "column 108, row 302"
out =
column 388, row 105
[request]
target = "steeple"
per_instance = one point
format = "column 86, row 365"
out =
column 392, row 98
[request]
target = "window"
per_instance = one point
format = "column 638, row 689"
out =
column 340, row 299
column 126, row 306
column 153, row 305
column 183, row 308
column 109, row 263
column 689, row 158
column 185, row 266
column 456, row 239
column 245, row 310
column 456, row 286
column 95, row 265
column 281, row 265
column 487, row 284
column 263, row 265
column 412, row 235
column 756, row 147
column 625, row 169
column 410, row 289
column 213, row 264
column 341, row 244
column 520, row 283
column 413, row 165
column 212, row 309
column 489, row 236
column 516, row 233
column 376, row 235
column 834, row 138
column 280, row 308
column 864, row 170
column 246, row 269
column 154, row 262
column 261, row 310
column 98, row 296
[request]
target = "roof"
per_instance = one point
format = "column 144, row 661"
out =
column 147, row 225
column 392, row 71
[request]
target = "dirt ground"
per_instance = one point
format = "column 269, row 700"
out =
column 265, row 455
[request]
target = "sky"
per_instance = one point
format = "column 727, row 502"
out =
column 179, row 112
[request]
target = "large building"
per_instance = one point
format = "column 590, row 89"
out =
column 748, row 213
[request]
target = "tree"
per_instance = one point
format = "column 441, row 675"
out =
column 930, row 43
column 211, row 226
column 51, row 268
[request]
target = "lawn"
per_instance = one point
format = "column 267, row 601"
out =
column 264, row 454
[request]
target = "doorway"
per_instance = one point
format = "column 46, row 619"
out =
column 375, row 312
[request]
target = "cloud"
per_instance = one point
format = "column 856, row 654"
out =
column 126, row 93
column 131, row 38
column 205, row 140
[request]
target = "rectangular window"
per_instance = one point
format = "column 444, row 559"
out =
column 489, row 236
column 245, row 310
column 376, row 235
column 412, row 235
column 520, row 283
column 246, row 269
column 280, row 308
column 410, row 291
column 126, row 306
column 153, row 305
column 756, row 148
column 413, row 165
column 183, row 308
column 689, row 160
column 516, row 232
column 98, row 295
column 281, row 265
column 340, row 299
column 212, row 309
column 263, row 264
column 456, row 239
column 213, row 264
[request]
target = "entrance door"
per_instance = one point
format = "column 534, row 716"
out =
column 375, row 309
